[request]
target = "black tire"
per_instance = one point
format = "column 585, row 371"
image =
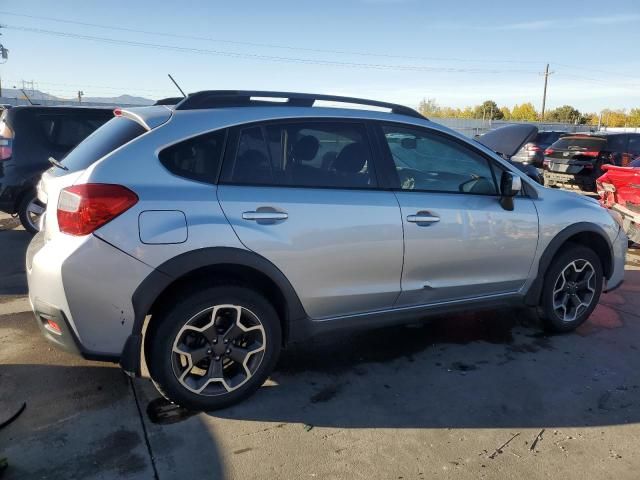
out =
column 560, row 320
column 169, row 323
column 23, row 213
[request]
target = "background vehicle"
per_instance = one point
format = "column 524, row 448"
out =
column 29, row 135
column 532, row 153
column 576, row 160
column 619, row 190
column 236, row 225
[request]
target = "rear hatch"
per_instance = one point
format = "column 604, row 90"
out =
column 576, row 154
column 118, row 131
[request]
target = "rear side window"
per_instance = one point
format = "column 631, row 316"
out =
column 197, row 158
column 113, row 134
column 634, row 144
column 64, row 131
column 302, row 154
column 617, row 143
column 580, row 143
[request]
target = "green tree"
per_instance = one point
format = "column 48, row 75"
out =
column 526, row 112
column 507, row 115
column 564, row 114
column 488, row 110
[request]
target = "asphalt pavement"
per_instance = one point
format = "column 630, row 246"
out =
column 475, row 395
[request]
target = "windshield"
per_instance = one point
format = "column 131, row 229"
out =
column 113, row 134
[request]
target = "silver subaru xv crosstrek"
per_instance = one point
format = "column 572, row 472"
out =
column 202, row 237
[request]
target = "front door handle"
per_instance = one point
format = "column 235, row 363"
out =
column 265, row 216
column 423, row 217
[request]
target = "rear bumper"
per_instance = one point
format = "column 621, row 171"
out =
column 85, row 285
column 620, row 246
column 582, row 182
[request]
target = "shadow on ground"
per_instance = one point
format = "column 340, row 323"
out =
column 82, row 419
column 478, row 370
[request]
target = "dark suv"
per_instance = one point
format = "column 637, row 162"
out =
column 532, row 153
column 29, row 135
column 576, row 161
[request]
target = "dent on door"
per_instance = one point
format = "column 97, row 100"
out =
column 474, row 249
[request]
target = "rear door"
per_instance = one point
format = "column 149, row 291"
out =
column 459, row 242
column 304, row 195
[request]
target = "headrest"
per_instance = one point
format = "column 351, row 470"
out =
column 351, row 158
column 306, row 148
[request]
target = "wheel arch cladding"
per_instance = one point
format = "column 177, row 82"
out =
column 586, row 234
column 234, row 266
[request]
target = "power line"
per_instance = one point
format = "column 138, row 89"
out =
column 266, row 45
column 274, row 58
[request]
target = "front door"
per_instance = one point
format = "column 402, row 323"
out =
column 459, row 241
column 304, row 195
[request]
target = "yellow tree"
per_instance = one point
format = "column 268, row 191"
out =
column 634, row 117
column 526, row 112
column 614, row 118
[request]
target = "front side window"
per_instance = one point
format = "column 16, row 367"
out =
column 302, row 154
column 430, row 162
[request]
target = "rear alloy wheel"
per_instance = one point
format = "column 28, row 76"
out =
column 572, row 288
column 215, row 348
column 30, row 210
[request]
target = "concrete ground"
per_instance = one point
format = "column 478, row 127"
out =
column 467, row 396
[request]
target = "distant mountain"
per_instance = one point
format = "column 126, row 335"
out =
column 124, row 99
column 38, row 96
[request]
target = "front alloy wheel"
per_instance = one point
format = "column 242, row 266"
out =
column 571, row 289
column 212, row 348
column 574, row 290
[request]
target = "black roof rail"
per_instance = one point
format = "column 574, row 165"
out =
column 169, row 101
column 245, row 98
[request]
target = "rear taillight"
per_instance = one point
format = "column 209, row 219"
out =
column 83, row 209
column 6, row 140
column 6, row 149
column 590, row 154
column 548, row 151
column 531, row 147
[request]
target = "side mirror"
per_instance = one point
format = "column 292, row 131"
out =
column 510, row 186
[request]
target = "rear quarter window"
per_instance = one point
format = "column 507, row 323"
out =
column 113, row 134
column 197, row 158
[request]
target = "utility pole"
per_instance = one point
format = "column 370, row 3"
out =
column 544, row 95
column 80, row 94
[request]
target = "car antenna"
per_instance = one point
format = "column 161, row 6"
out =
column 177, row 86
column 26, row 96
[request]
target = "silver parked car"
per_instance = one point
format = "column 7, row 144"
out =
column 205, row 236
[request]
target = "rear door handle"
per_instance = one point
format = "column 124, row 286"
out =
column 262, row 216
column 423, row 217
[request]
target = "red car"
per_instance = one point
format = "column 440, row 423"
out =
column 619, row 190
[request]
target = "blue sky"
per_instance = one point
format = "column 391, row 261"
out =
column 458, row 52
